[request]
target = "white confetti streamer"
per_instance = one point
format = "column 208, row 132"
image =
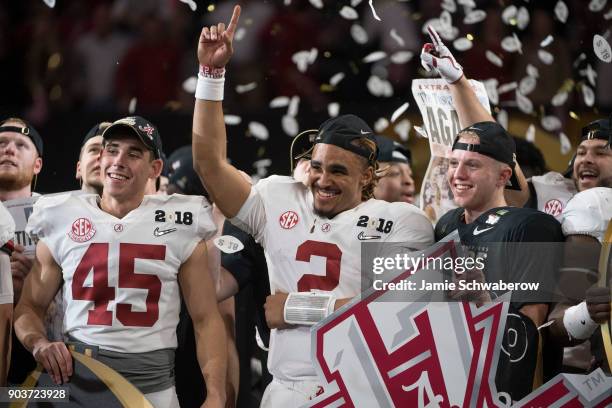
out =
column 290, row 125
column 373, row 11
column 399, row 112
column 355, row 3
column 510, row 86
column 547, row 41
column 302, row 59
column 597, row 5
column 550, row 123
column 509, row 14
column 349, row 13
column 232, row 120
column 49, row 3
column 494, row 59
column 566, row 146
column 502, row 118
column 380, row 125
column 469, row 4
column 532, row 71
column 449, row 5
column 527, row 85
column 374, row 56
column 333, row 109
column 240, row 89
column 475, row 16
column 512, row 44
column 359, row 34
column 546, row 57
column 240, row 33
column 258, row 131
column 578, row 60
column 132, row 105
column 399, row 40
column 491, row 88
column 403, row 129
column 462, row 44
column 294, row 106
column 559, row 98
column 379, row 87
column 524, row 103
column 588, row 95
column 420, row 131
column 189, row 85
column 561, row 11
column 279, row 102
column 192, row 4
column 589, row 73
column 522, row 18
column 530, row 134
column 401, row 57
column 228, row 244
column 335, row 80
column 608, row 15
column 602, row 48
column 316, row 3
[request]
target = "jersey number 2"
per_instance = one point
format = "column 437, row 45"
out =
column 100, row 293
column 332, row 255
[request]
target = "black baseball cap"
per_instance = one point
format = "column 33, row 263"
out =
column 390, row 151
column 27, row 130
column 97, row 130
column 145, row 130
column 495, row 143
column 342, row 130
column 598, row 129
column 182, row 174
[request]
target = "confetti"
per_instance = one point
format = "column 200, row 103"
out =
column 399, row 112
column 279, row 102
column 374, row 56
column 475, row 16
column 355, row 3
column 373, row 10
column 316, row 3
column 49, row 3
column 509, row 14
column 589, row 73
column 462, row 44
column 573, row 115
column 527, row 85
column 304, row 58
column 359, row 34
column 232, row 120
column 532, row 71
column 530, row 134
column 399, row 40
column 494, row 59
column 335, row 80
column 333, row 109
column 550, row 123
column 502, row 118
column 512, row 44
column 467, row 3
column 524, row 103
column 559, row 98
column 602, row 48
column 228, row 244
column 449, row 5
column 597, row 5
column 380, row 125
column 578, row 60
column 132, row 105
column 446, row 20
column 379, row 87
column 420, row 131
column 290, row 125
column 588, row 95
column 240, row 89
column 349, row 13
column 294, row 106
column 561, row 11
column 258, row 131
column 192, row 4
column 403, row 129
column 240, row 33
column 510, row 86
column 261, row 166
column 491, row 88
column 547, row 41
column 566, row 146
column 546, row 57
column 401, row 57
column 522, row 18
column 189, row 85
column 608, row 15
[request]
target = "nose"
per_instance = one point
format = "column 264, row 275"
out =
column 459, row 172
column 9, row 148
column 324, row 180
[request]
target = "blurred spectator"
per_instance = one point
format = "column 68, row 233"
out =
column 530, row 158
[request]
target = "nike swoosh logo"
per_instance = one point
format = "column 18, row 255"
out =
column 364, row 237
column 158, row 233
column 478, row 232
column 363, row 132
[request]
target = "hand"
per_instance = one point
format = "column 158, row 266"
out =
column 478, row 296
column 20, row 267
column 215, row 45
column 56, row 359
column 438, row 57
column 275, row 307
column 598, row 303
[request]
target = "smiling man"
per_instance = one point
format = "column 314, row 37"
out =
column 138, row 252
column 311, row 235
column 395, row 182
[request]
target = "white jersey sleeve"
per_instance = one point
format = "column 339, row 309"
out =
column 588, row 213
column 7, row 231
column 413, row 227
column 39, row 225
column 7, row 225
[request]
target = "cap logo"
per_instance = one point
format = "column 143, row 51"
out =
column 148, row 130
column 128, row 121
column 363, row 132
column 591, row 135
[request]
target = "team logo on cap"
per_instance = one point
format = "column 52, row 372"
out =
column 553, row 207
column 148, row 130
column 130, row 121
column 82, row 230
column 288, row 219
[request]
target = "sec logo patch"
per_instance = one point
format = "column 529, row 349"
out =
column 82, row 230
column 288, row 219
column 553, row 207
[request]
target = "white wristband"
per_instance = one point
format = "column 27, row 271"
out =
column 578, row 322
column 308, row 308
column 209, row 89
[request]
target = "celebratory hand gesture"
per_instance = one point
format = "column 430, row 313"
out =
column 215, row 44
column 436, row 56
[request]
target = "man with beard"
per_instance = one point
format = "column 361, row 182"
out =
column 88, row 166
column 395, row 182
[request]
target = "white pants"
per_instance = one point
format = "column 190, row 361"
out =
column 281, row 393
column 164, row 399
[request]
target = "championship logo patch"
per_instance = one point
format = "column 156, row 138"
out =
column 288, row 219
column 553, row 207
column 82, row 230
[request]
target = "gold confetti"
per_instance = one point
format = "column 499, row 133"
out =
column 573, row 115
column 327, row 88
column 54, row 61
column 470, row 37
column 327, row 54
column 210, row 8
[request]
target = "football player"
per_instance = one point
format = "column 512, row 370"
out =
column 122, row 259
column 299, row 226
column 88, row 166
column 7, row 231
column 395, row 182
column 482, row 164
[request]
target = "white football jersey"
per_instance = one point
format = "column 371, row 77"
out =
column 120, row 275
column 7, row 231
column 553, row 192
column 588, row 213
column 306, row 252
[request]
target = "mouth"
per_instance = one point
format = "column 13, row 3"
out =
column 118, row 177
column 326, row 194
column 588, row 175
column 462, row 187
column 8, row 163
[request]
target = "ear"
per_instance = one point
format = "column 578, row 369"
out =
column 157, row 166
column 78, row 174
column 504, row 175
column 38, row 165
column 367, row 176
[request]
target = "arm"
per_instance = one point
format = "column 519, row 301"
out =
column 6, row 324
column 275, row 308
column 199, row 293
column 227, row 188
column 228, row 314
column 39, row 288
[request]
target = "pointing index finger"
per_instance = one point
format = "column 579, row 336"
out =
column 231, row 28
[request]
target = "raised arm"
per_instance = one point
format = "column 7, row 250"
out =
column 40, row 286
column 227, row 189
